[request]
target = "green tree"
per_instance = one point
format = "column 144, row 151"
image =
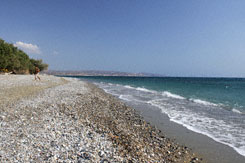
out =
column 16, row 60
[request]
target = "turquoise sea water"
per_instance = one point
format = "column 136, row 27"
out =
column 227, row 91
column 211, row 106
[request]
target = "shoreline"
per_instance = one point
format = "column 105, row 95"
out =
column 209, row 149
column 76, row 121
column 213, row 150
column 140, row 135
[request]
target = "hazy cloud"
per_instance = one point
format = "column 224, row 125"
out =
column 28, row 48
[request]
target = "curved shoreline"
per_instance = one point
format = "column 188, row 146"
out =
column 210, row 150
column 70, row 120
column 145, row 134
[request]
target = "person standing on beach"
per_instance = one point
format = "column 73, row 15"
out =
column 37, row 70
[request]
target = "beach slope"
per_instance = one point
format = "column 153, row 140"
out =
column 63, row 119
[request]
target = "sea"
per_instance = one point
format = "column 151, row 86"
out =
column 214, row 107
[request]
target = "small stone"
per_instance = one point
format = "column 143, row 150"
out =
column 101, row 153
column 104, row 161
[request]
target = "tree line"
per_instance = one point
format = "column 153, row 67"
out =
column 15, row 60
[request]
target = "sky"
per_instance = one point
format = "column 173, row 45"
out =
column 204, row 38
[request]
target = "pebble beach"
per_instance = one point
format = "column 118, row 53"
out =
column 67, row 120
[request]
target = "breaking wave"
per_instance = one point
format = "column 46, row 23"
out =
column 195, row 114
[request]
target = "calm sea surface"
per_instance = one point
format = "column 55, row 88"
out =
column 211, row 106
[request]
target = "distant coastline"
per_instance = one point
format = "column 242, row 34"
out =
column 99, row 73
column 125, row 74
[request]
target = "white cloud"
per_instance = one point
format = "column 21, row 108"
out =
column 28, row 48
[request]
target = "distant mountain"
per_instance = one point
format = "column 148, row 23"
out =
column 99, row 73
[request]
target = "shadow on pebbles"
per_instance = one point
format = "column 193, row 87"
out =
column 78, row 122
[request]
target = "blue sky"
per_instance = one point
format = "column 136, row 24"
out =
column 169, row 37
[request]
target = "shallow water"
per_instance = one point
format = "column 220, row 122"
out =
column 213, row 107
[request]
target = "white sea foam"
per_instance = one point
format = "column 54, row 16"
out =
column 130, row 98
column 168, row 94
column 145, row 90
column 203, row 102
column 126, row 97
column 236, row 111
column 110, row 92
column 219, row 130
column 227, row 141
column 129, row 87
column 139, row 89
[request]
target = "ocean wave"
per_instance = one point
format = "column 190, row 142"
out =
column 203, row 102
column 229, row 140
column 175, row 96
column 218, row 130
column 168, row 94
column 180, row 111
column 145, row 90
column 236, row 111
column 139, row 89
column 126, row 97
column 129, row 87
column 130, row 98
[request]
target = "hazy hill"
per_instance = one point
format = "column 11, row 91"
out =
column 98, row 73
